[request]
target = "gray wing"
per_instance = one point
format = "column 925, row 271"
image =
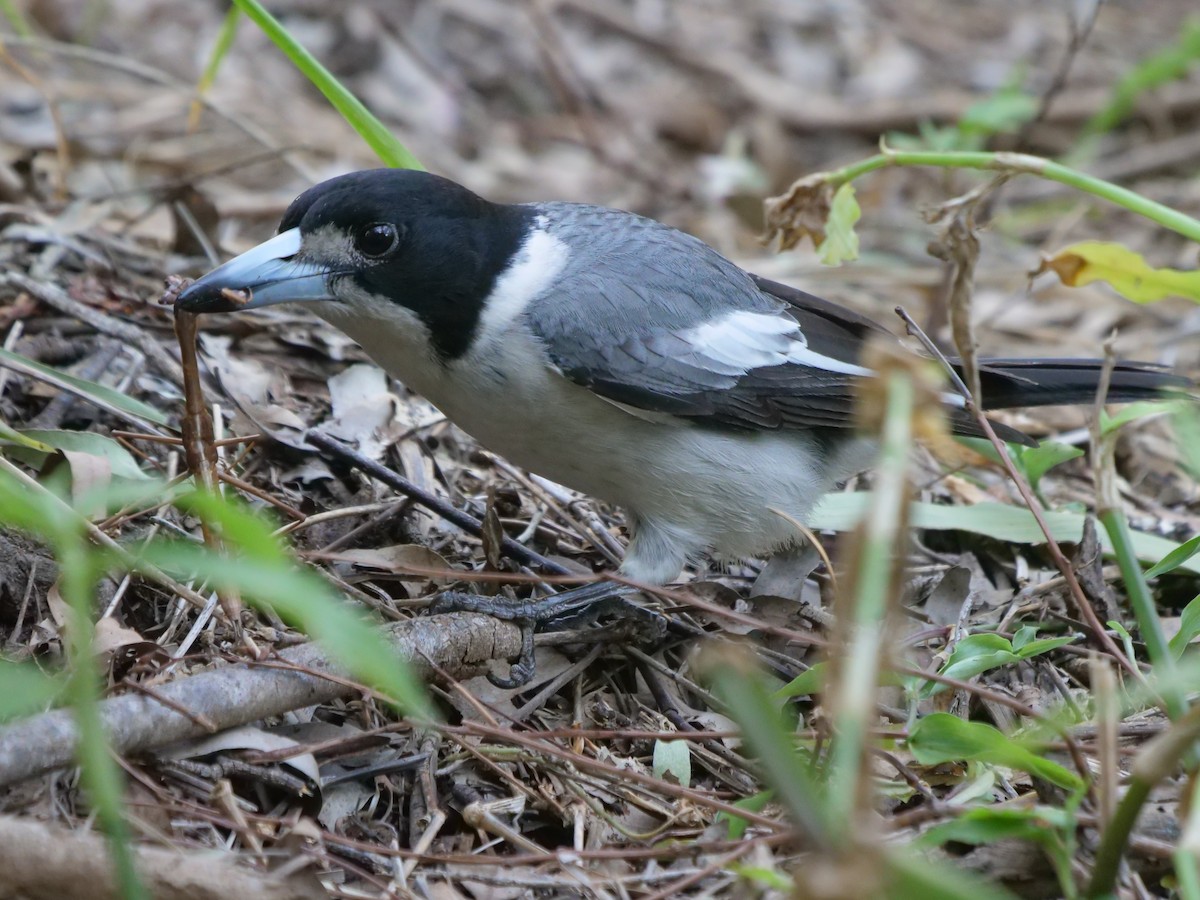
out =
column 656, row 320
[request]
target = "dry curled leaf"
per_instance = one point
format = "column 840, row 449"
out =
column 800, row 212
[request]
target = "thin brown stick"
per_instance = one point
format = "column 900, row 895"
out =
column 1095, row 626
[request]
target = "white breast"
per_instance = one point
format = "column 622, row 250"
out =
column 686, row 488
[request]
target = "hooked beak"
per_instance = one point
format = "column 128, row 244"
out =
column 266, row 275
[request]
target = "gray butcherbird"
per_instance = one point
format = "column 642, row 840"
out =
column 608, row 352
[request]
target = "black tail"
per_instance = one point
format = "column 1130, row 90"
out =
column 1048, row 382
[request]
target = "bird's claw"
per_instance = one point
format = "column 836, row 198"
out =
column 522, row 671
column 558, row 610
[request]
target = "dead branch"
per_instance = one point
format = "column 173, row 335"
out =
column 459, row 644
column 41, row 862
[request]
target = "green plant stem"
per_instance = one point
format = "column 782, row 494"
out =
column 390, row 151
column 1155, row 762
column 16, row 20
column 1186, row 855
column 852, row 703
column 220, row 50
column 749, row 703
column 1144, row 611
column 1022, row 163
column 100, row 772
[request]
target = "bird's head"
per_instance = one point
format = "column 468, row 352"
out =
column 382, row 242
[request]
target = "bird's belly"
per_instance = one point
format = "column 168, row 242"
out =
column 700, row 487
column 708, row 488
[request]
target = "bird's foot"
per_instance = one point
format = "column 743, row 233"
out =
column 562, row 610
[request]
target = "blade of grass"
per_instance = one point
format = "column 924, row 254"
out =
column 852, row 698
column 1112, row 517
column 264, row 573
column 1156, row 761
column 1186, row 855
column 220, row 50
column 750, row 704
column 79, row 564
column 106, row 398
column 101, row 774
column 15, row 18
column 389, row 150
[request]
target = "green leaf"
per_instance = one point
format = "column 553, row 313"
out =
column 1164, row 65
column 26, row 689
column 754, row 803
column 238, row 524
column 813, row 681
column 221, row 47
column 756, row 712
column 1124, row 635
column 972, row 655
column 806, row 683
column 986, row 824
column 16, row 21
column 979, row 653
column 1024, row 635
column 303, row 599
column 841, row 241
column 375, row 133
column 1175, row 558
column 982, row 446
column 1037, row 461
column 1125, row 271
column 941, row 737
column 1044, row 645
column 1189, row 627
column 842, row 511
column 1142, row 409
column 85, row 389
column 1034, row 462
column 11, row 435
column 764, row 877
column 121, row 462
column 911, row 876
column 263, row 574
column 1005, row 111
column 673, row 758
column 1026, row 644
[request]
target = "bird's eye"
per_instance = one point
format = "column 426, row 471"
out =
column 376, row 240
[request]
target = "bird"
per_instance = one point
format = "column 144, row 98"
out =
column 610, row 353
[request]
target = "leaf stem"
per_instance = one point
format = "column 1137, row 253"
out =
column 1023, row 163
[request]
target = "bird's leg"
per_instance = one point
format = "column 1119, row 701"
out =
column 562, row 610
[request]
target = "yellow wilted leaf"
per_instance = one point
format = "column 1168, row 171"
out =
column 1127, row 272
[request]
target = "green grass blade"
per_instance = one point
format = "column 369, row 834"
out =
column 382, row 141
column 104, row 397
column 219, row 51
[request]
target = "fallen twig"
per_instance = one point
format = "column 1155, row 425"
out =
column 459, row 644
column 42, row 861
column 465, row 521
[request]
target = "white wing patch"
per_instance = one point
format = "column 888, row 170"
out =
column 534, row 269
column 744, row 340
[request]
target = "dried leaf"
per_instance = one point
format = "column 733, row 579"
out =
column 110, row 635
column 801, row 212
column 365, row 412
column 399, row 559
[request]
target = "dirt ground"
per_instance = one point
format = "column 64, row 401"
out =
column 689, row 111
